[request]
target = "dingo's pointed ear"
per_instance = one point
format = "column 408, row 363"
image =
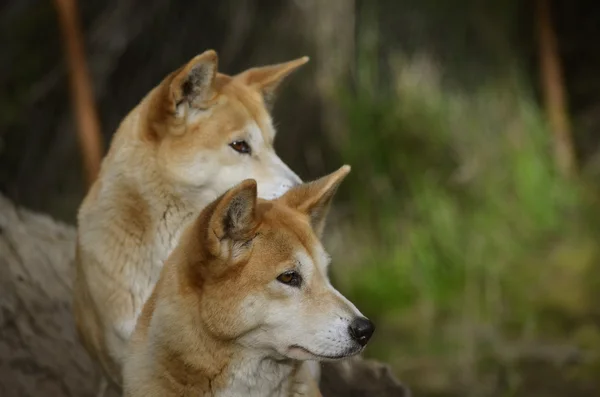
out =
column 267, row 78
column 194, row 82
column 233, row 220
column 314, row 198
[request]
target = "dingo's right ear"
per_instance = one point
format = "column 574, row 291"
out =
column 267, row 78
column 193, row 84
column 233, row 220
column 314, row 198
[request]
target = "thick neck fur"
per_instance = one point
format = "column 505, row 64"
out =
column 229, row 372
column 166, row 208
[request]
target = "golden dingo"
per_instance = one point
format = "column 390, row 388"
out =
column 244, row 301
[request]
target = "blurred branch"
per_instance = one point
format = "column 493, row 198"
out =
column 110, row 33
column 553, row 89
column 88, row 125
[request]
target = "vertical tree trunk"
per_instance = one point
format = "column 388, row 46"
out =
column 82, row 97
column 553, row 90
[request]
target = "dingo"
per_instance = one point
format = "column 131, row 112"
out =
column 244, row 300
column 194, row 136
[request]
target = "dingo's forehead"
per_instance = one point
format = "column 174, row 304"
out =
column 285, row 239
column 249, row 101
column 239, row 113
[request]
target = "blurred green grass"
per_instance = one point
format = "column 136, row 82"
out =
column 475, row 258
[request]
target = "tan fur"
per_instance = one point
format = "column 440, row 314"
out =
column 216, row 323
column 169, row 158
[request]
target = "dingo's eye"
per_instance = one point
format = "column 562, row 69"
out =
column 290, row 278
column 240, row 147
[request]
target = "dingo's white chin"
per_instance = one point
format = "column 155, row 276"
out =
column 297, row 352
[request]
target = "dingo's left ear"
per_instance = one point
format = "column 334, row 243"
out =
column 267, row 78
column 190, row 86
column 314, row 198
column 233, row 219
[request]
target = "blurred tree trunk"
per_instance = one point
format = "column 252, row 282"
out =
column 553, row 90
column 82, row 92
column 39, row 349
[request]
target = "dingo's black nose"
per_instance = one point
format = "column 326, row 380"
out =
column 361, row 330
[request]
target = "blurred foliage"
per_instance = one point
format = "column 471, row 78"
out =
column 472, row 255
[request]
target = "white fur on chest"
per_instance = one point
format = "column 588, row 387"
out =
column 129, row 259
column 253, row 377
